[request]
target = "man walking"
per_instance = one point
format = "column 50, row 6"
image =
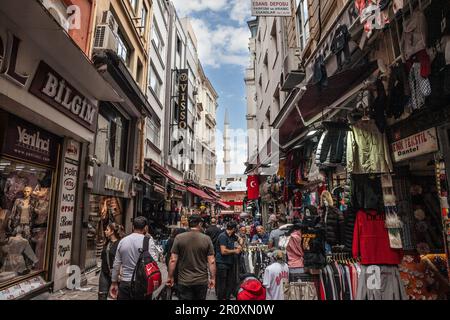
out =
column 213, row 231
column 127, row 257
column 193, row 254
column 225, row 258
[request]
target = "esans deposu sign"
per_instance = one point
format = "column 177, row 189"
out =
column 47, row 84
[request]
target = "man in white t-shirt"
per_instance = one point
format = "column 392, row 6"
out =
column 275, row 277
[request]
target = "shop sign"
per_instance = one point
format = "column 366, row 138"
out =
column 183, row 86
column 27, row 142
column 23, row 288
column 271, row 8
column 114, row 183
column 416, row 145
column 53, row 89
column 64, row 226
column 109, row 181
column 73, row 150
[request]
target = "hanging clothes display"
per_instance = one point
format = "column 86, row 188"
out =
column 313, row 242
column 367, row 149
column 339, row 280
column 385, row 283
column 371, row 240
column 414, row 34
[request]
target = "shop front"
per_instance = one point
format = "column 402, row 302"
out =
column 48, row 118
column 108, row 203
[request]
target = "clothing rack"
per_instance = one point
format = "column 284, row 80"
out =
column 258, row 247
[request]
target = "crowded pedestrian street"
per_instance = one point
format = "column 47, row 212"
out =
column 224, row 157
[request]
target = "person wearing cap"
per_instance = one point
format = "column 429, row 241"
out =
column 193, row 254
column 276, row 276
column 226, row 254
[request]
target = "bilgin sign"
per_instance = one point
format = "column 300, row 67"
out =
column 183, row 83
column 271, row 8
column 416, row 145
column 53, row 89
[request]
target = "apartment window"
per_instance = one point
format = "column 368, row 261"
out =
column 155, row 81
column 153, row 132
column 123, row 50
column 156, row 37
column 302, row 22
column 191, row 76
column 144, row 14
column 134, row 4
column 139, row 70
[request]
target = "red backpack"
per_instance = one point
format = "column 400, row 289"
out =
column 146, row 275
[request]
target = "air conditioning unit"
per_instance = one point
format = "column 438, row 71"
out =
column 105, row 38
column 108, row 18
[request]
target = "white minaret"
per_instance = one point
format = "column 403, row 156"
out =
column 226, row 144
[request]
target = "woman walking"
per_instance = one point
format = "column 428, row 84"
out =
column 114, row 232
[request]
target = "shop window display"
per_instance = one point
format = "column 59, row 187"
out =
column 103, row 210
column 25, row 192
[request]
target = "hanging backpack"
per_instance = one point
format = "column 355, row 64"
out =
column 146, row 275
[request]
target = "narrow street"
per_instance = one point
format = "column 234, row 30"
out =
column 297, row 150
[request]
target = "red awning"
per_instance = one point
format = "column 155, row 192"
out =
column 212, row 192
column 234, row 203
column 223, row 204
column 315, row 99
column 178, row 184
column 199, row 193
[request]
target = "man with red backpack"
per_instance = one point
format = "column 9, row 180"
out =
column 136, row 255
column 251, row 289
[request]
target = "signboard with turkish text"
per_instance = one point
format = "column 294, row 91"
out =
column 64, row 225
column 183, row 84
column 416, row 145
column 266, row 8
column 53, row 89
column 25, row 141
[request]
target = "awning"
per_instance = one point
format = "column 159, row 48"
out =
column 212, row 193
column 304, row 105
column 223, row 204
column 176, row 184
column 199, row 193
column 234, row 203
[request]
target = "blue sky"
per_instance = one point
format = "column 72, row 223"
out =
column 222, row 34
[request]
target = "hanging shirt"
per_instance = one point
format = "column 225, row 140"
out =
column 275, row 277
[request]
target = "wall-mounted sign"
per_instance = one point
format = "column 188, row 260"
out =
column 53, row 89
column 268, row 8
column 416, row 145
column 183, row 96
column 114, row 183
column 25, row 141
column 64, row 226
column 109, row 181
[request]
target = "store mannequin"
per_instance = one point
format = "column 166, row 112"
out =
column 333, row 219
column 41, row 206
column 21, row 213
column 4, row 216
column 111, row 211
column 16, row 249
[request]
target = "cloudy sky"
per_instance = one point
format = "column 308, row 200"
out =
column 222, row 34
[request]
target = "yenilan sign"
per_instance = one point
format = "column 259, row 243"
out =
column 416, row 145
column 271, row 8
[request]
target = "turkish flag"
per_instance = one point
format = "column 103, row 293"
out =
column 252, row 187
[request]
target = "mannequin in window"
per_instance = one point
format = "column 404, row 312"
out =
column 17, row 249
column 4, row 216
column 21, row 213
column 111, row 211
column 41, row 203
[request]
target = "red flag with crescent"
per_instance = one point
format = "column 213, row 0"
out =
column 252, row 187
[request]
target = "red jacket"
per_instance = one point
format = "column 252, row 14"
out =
column 371, row 240
column 251, row 289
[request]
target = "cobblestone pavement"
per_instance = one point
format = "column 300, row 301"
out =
column 89, row 291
